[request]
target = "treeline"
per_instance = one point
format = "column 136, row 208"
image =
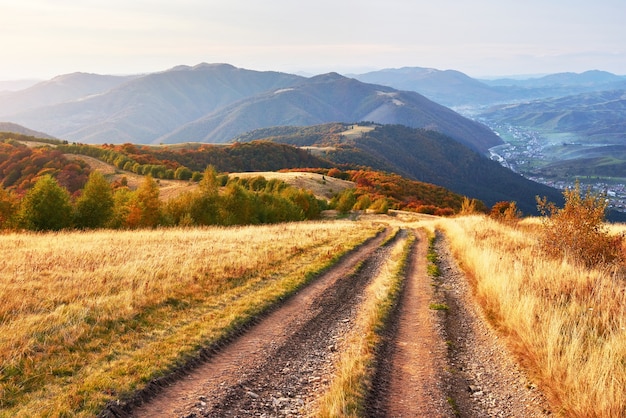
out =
column 320, row 135
column 189, row 162
column 238, row 201
column 218, row 200
column 379, row 191
column 404, row 194
column 21, row 166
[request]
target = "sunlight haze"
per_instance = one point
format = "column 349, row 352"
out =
column 41, row 39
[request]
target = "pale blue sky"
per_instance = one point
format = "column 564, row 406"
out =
column 44, row 38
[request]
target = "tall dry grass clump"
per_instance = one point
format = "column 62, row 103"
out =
column 566, row 322
column 578, row 230
column 88, row 317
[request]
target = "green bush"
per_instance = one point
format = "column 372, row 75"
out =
column 46, row 206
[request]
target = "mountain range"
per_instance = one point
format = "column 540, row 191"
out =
column 215, row 102
column 456, row 89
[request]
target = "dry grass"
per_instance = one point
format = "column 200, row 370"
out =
column 566, row 323
column 88, row 317
column 357, row 131
column 167, row 188
column 347, row 392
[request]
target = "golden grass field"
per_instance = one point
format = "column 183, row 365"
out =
column 566, row 323
column 87, row 317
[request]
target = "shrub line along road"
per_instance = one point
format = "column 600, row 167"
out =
column 431, row 363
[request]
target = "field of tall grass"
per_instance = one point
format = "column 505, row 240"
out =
column 565, row 322
column 87, row 317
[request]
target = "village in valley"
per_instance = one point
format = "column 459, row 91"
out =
column 524, row 151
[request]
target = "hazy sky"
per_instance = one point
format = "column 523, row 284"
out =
column 44, row 38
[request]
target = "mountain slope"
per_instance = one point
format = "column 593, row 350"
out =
column 429, row 157
column 333, row 98
column 60, row 89
column 598, row 80
column 453, row 88
column 152, row 105
column 448, row 87
column 18, row 129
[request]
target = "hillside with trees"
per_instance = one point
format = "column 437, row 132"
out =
column 333, row 98
column 44, row 189
column 418, row 154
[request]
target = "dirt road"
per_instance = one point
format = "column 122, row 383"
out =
column 433, row 363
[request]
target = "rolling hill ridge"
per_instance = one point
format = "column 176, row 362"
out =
column 417, row 154
column 334, row 98
column 215, row 102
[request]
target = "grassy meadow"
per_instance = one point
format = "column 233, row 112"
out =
column 566, row 323
column 87, row 317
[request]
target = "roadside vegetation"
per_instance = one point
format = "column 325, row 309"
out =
column 217, row 200
column 565, row 320
column 87, row 317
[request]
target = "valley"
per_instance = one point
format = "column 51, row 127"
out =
column 543, row 157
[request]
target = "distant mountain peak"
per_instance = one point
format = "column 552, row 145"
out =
column 328, row 77
column 201, row 67
column 221, row 66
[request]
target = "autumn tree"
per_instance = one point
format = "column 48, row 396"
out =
column 147, row 201
column 8, row 208
column 123, row 200
column 363, row 202
column 46, row 206
column 94, row 207
column 471, row 206
column 380, row 205
column 183, row 173
column 204, row 204
column 345, row 201
column 237, row 206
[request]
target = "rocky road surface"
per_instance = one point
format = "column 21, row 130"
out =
column 433, row 363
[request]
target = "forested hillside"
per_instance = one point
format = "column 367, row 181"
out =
column 43, row 189
column 419, row 154
column 333, row 98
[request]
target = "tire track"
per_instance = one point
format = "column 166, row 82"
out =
column 279, row 366
column 409, row 381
